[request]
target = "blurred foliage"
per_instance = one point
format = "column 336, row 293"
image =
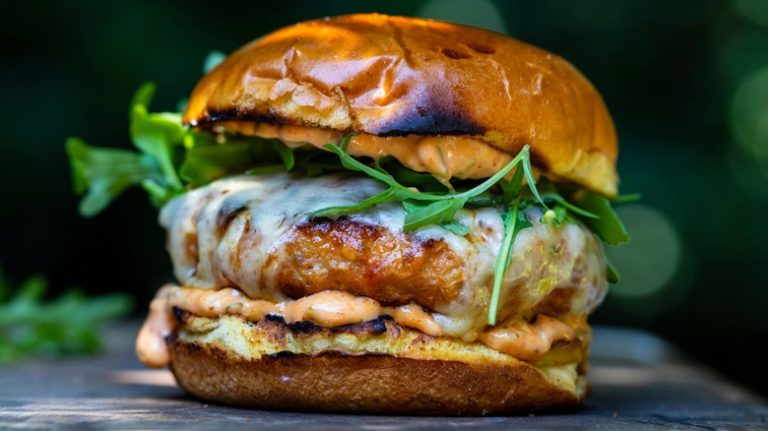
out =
column 66, row 325
column 684, row 80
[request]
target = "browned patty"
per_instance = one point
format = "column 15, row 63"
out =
column 370, row 261
column 258, row 234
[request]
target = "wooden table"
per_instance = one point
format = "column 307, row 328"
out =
column 639, row 382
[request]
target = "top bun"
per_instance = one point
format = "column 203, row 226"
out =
column 384, row 76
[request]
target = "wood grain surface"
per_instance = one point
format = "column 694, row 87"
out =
column 639, row 382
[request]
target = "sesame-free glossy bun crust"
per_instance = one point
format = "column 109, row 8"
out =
column 371, row 367
column 333, row 382
column 388, row 76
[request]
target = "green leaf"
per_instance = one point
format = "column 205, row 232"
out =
column 561, row 215
column 64, row 325
column 423, row 208
column 353, row 164
column 104, row 173
column 512, row 187
column 213, row 59
column 285, row 152
column 514, row 221
column 486, row 199
column 528, row 170
column 195, row 139
column 206, row 163
column 143, row 96
column 607, row 226
column 388, row 195
column 159, row 194
column 33, row 289
column 555, row 197
column 266, row 169
column 623, row 199
column 611, row 274
column 159, row 136
column 409, row 178
column 456, row 228
column 419, row 214
column 498, row 176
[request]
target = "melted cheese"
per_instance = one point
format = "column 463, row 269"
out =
column 274, row 205
column 262, row 211
column 328, row 309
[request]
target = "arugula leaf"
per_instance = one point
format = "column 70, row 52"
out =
column 522, row 156
column 403, row 193
column 105, row 173
column 611, row 274
column 607, row 226
column 204, row 164
column 353, row 164
column 514, row 221
column 485, row 199
column 512, row 187
column 554, row 197
column 456, row 228
column 158, row 193
column 65, row 325
column 418, row 214
column 157, row 135
column 528, row 170
column 561, row 215
column 623, row 199
column 388, row 195
column 409, row 178
column 285, row 153
column 172, row 157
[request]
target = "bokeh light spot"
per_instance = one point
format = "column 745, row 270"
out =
column 479, row 13
column 754, row 10
column 749, row 114
column 648, row 262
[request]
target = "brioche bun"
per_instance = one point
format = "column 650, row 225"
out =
column 223, row 360
column 447, row 99
column 385, row 77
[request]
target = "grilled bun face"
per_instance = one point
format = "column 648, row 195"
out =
column 355, row 369
column 397, row 82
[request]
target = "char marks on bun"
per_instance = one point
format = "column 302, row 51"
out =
column 389, row 76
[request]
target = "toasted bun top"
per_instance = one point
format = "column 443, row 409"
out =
column 388, row 76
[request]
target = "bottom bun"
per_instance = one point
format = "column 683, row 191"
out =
column 210, row 359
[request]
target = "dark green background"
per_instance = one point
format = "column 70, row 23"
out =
column 679, row 78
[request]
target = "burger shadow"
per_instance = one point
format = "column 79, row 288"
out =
column 217, row 408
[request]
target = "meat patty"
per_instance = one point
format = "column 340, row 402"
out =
column 257, row 233
column 392, row 268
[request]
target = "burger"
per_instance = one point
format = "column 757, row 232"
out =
column 372, row 213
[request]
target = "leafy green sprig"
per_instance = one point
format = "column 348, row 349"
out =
column 423, row 208
column 69, row 324
column 173, row 158
column 435, row 208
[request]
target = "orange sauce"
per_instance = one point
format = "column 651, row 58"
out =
column 330, row 308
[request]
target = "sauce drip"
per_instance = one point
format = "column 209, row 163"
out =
column 329, row 308
column 527, row 341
